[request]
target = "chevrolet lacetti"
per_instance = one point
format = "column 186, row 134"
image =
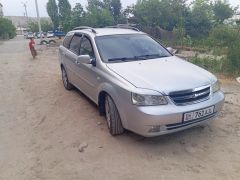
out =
column 137, row 83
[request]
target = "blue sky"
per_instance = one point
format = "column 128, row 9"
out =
column 15, row 7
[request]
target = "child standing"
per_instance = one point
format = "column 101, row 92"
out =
column 32, row 48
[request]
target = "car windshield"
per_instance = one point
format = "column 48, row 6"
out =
column 129, row 47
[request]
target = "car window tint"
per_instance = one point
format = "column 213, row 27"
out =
column 86, row 48
column 129, row 45
column 67, row 40
column 75, row 44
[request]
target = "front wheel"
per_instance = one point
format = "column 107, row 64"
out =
column 113, row 118
column 65, row 80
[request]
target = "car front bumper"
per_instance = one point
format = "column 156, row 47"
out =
column 152, row 121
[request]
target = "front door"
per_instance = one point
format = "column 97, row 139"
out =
column 88, row 84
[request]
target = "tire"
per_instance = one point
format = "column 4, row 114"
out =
column 113, row 118
column 43, row 42
column 52, row 42
column 65, row 80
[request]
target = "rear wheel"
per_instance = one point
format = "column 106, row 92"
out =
column 65, row 80
column 112, row 116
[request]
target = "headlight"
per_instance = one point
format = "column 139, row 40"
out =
column 148, row 100
column 215, row 87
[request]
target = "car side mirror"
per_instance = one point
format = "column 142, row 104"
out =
column 84, row 59
column 170, row 49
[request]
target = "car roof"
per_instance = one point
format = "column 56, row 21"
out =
column 108, row 31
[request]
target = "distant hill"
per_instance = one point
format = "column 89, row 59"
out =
column 21, row 21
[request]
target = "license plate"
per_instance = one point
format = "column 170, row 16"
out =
column 198, row 114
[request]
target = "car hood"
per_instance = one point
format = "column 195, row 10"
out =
column 164, row 74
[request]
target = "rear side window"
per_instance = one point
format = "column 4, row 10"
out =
column 67, row 40
column 75, row 44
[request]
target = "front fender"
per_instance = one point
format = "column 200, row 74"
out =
column 120, row 97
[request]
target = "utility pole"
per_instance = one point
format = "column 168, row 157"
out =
column 25, row 7
column 39, row 23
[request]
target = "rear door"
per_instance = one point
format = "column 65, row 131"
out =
column 63, row 51
column 72, row 56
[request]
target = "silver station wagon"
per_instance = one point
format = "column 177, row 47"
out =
column 137, row 83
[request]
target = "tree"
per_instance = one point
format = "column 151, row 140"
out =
column 52, row 10
column 77, row 16
column 45, row 24
column 64, row 14
column 199, row 20
column 222, row 10
column 99, row 18
column 115, row 7
column 166, row 14
column 148, row 12
column 33, row 26
column 7, row 29
column 98, row 15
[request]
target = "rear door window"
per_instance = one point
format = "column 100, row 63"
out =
column 67, row 40
column 75, row 44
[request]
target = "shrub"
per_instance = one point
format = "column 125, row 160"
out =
column 233, row 58
column 227, row 39
column 7, row 29
column 212, row 64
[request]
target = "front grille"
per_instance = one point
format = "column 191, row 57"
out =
column 189, row 96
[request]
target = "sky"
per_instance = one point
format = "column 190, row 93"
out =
column 15, row 7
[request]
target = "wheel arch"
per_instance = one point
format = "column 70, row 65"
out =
column 108, row 89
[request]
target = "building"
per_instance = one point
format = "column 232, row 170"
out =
column 1, row 10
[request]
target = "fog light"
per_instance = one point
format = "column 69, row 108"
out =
column 154, row 129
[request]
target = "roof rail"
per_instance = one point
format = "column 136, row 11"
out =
column 124, row 26
column 85, row 27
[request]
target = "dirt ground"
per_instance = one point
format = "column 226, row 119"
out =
column 48, row 133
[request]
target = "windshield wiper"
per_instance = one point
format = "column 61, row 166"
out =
column 135, row 58
column 151, row 56
column 125, row 59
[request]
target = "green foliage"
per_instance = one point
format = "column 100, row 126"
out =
column 77, row 16
column 7, row 29
column 52, row 10
column 212, row 64
column 180, row 34
column 45, row 25
column 222, row 10
column 148, row 12
column 99, row 18
column 224, row 36
column 199, row 20
column 166, row 14
column 233, row 57
column 33, row 26
column 64, row 8
column 227, row 41
column 98, row 14
column 115, row 7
